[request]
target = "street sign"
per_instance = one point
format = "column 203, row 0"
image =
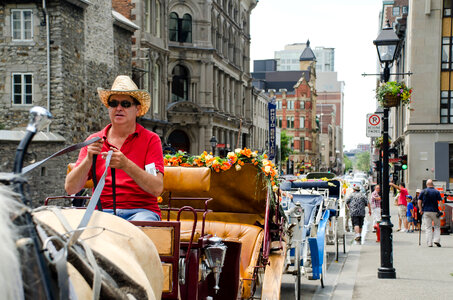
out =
column 272, row 108
column 373, row 125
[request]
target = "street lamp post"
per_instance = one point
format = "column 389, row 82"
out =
column 387, row 44
column 213, row 142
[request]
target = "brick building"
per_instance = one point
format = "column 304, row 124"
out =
column 296, row 114
column 56, row 56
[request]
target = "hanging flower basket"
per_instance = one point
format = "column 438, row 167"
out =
column 392, row 93
column 378, row 143
column 391, row 100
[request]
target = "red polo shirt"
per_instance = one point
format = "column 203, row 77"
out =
column 142, row 147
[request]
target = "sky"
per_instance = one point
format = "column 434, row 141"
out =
column 349, row 26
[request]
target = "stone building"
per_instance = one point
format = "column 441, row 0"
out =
column 424, row 130
column 209, row 83
column 330, row 91
column 193, row 56
column 150, row 54
column 56, row 56
column 327, row 137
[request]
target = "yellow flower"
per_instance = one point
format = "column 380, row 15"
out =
column 254, row 154
column 238, row 167
column 275, row 188
column 238, row 150
column 267, row 169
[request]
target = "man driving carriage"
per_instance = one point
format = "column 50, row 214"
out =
column 137, row 157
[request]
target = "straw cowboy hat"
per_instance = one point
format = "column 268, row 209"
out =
column 123, row 85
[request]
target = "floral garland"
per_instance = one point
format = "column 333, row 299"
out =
column 234, row 159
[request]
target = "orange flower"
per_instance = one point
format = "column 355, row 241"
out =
column 159, row 199
column 246, row 152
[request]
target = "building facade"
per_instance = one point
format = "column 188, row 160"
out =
column 209, row 83
column 55, row 56
column 288, row 59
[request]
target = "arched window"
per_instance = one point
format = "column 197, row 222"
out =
column 179, row 140
column 173, row 27
column 180, row 84
column 156, row 82
column 186, row 29
column 180, row 29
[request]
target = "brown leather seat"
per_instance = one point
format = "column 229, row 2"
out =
column 250, row 236
column 88, row 185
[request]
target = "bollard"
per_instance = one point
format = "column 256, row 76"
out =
column 378, row 232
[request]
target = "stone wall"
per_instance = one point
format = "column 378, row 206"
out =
column 78, row 68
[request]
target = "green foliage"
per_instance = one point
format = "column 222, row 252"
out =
column 394, row 88
column 285, row 142
column 362, row 161
column 347, row 163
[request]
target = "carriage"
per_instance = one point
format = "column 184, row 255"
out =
column 222, row 237
column 315, row 218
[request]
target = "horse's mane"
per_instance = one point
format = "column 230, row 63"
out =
column 10, row 276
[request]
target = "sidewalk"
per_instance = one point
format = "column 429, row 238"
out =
column 421, row 272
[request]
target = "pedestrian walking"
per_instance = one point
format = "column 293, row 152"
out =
column 417, row 215
column 356, row 203
column 428, row 206
column 376, row 206
column 131, row 191
column 402, row 205
column 410, row 214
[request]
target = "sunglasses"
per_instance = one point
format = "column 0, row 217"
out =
column 124, row 103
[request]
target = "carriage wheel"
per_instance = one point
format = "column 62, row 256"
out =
column 298, row 271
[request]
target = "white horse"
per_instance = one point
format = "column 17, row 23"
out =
column 121, row 249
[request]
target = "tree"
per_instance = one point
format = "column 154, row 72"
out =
column 285, row 144
column 347, row 163
column 362, row 161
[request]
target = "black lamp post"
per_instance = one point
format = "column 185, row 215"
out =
column 387, row 44
column 213, row 142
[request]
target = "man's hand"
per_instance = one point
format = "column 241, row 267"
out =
column 94, row 149
column 118, row 160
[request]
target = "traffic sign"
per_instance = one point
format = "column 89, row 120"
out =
column 373, row 125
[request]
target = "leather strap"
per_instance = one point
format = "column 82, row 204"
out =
column 93, row 202
column 61, row 152
column 113, row 189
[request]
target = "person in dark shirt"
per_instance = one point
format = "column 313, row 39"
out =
column 356, row 203
column 428, row 206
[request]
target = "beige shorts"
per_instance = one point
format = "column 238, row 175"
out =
column 402, row 211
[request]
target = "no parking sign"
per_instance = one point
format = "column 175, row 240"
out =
column 373, row 125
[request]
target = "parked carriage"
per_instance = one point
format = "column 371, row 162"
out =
column 220, row 232
column 315, row 219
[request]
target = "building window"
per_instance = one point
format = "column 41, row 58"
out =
column 396, row 11
column 147, row 13
column 405, row 10
column 279, row 104
column 180, row 29
column 446, row 107
column 180, row 84
column 289, row 122
column 156, row 82
column 301, row 122
column 157, row 19
column 279, row 122
column 290, row 104
column 446, row 53
column 302, row 144
column 447, row 8
column 302, row 105
column 22, row 88
column 21, row 24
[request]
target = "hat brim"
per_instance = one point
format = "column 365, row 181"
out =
column 141, row 96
